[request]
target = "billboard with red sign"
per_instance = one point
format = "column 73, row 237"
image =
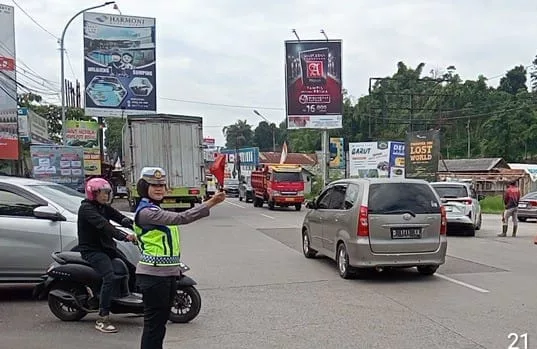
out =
column 9, row 137
column 313, row 84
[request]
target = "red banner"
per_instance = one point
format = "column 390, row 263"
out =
column 9, row 148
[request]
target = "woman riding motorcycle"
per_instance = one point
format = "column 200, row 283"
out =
column 97, row 246
column 158, row 233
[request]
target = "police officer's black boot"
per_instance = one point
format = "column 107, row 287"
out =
column 515, row 228
column 504, row 231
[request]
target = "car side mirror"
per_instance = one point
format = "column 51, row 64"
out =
column 480, row 197
column 47, row 212
column 311, row 205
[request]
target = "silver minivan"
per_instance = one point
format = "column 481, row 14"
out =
column 377, row 223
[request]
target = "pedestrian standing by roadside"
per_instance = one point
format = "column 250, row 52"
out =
column 158, row 233
column 511, row 197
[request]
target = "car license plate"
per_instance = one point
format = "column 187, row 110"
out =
column 522, row 205
column 289, row 199
column 406, row 233
column 169, row 201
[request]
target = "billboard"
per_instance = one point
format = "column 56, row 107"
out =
column 376, row 159
column 397, row 159
column 85, row 134
column 249, row 159
column 9, row 138
column 119, row 65
column 58, row 164
column 337, row 153
column 313, row 84
column 422, row 154
column 38, row 127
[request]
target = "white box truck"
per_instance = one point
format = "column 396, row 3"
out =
column 173, row 142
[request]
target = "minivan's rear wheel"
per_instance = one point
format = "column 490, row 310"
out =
column 345, row 270
column 427, row 269
column 308, row 251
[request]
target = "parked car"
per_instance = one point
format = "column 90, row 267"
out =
column 377, row 223
column 527, row 207
column 36, row 219
column 462, row 206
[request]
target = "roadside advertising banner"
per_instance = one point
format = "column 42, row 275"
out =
column 337, row 153
column 249, row 159
column 119, row 65
column 422, row 154
column 397, row 159
column 58, row 164
column 9, row 138
column 376, row 159
column 313, row 84
column 85, row 134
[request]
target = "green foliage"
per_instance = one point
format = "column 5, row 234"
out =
column 497, row 122
column 492, row 204
column 113, row 139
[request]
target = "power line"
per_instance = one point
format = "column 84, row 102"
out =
column 221, row 104
column 33, row 20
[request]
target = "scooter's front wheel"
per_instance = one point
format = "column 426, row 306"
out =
column 186, row 305
column 66, row 311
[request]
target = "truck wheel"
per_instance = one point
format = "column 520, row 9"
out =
column 298, row 207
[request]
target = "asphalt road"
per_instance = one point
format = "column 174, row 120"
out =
column 259, row 291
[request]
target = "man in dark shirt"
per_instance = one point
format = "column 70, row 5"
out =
column 96, row 241
column 511, row 197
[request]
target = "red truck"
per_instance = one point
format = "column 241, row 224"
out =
column 278, row 185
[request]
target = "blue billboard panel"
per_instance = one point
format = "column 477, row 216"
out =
column 119, row 65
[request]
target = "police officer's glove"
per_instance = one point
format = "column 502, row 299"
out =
column 127, row 223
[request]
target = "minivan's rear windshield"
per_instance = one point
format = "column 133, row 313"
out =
column 287, row 177
column 394, row 198
column 450, row 191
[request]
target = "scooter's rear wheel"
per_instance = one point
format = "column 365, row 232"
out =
column 186, row 305
column 62, row 311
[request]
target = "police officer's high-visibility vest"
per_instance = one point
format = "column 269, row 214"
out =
column 161, row 244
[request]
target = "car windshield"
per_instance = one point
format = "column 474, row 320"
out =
column 66, row 197
column 396, row 198
column 287, row 177
column 450, row 191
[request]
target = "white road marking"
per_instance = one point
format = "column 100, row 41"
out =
column 264, row 215
column 234, row 204
column 460, row 283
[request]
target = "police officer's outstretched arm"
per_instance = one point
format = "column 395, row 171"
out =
column 92, row 216
column 157, row 216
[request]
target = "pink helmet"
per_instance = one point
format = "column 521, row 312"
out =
column 94, row 185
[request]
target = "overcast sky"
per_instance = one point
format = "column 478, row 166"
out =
column 231, row 51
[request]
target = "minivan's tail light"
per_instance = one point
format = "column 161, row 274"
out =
column 443, row 221
column 533, row 203
column 363, row 222
column 468, row 202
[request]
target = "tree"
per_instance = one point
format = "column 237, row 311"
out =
column 514, row 80
column 239, row 134
column 263, row 136
column 113, row 137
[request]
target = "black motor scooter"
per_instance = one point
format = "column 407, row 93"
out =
column 73, row 288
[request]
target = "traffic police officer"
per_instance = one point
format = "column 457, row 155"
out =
column 159, row 236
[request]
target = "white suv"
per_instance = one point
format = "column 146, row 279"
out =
column 462, row 205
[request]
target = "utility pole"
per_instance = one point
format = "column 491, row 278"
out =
column 61, row 41
column 468, row 131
